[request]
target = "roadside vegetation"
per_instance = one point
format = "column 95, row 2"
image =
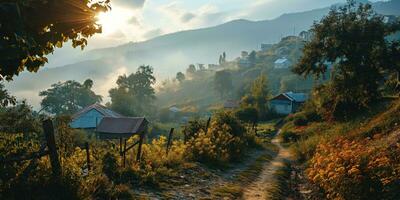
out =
column 346, row 138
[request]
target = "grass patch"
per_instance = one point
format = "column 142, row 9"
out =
column 230, row 191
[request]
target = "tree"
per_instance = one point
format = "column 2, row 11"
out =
column 222, row 58
column 223, row 82
column 134, row 94
column 191, row 69
column 30, row 30
column 180, row 77
column 18, row 119
column 5, row 98
column 68, row 97
column 247, row 115
column 353, row 38
column 201, row 67
column 252, row 57
column 258, row 96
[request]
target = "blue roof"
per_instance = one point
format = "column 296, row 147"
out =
column 101, row 109
column 298, row 97
column 281, row 60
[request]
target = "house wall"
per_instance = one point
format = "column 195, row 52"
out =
column 283, row 107
column 87, row 120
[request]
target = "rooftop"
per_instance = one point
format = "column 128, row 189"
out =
column 101, row 109
column 281, row 60
column 122, row 125
column 298, row 97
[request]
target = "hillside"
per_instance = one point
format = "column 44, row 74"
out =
column 366, row 147
column 171, row 53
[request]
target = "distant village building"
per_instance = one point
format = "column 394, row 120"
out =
column 282, row 63
column 388, row 19
column 174, row 109
column 265, row 47
column 287, row 103
column 90, row 117
column 231, row 104
column 244, row 63
column 306, row 35
column 214, row 67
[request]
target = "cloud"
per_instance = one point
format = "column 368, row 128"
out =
column 187, row 17
column 134, row 21
column 136, row 4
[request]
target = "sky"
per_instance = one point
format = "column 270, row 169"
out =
column 139, row 20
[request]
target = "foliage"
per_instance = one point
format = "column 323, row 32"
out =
column 68, row 97
column 191, row 70
column 288, row 136
column 247, row 115
column 192, row 128
column 226, row 140
column 5, row 97
column 348, row 169
column 223, row 82
column 18, row 119
column 134, row 94
column 30, row 30
column 353, row 39
column 258, row 96
column 180, row 77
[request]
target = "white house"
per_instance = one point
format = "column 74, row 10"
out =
column 288, row 102
column 282, row 63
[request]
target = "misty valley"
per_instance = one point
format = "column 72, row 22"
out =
column 150, row 99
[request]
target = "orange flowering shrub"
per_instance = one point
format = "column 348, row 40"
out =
column 362, row 169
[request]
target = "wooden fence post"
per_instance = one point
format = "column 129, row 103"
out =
column 139, row 152
column 169, row 139
column 124, row 158
column 208, row 123
column 120, row 146
column 87, row 155
column 51, row 144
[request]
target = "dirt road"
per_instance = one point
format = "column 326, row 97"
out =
column 258, row 190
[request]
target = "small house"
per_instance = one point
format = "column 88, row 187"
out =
column 282, row 63
column 244, row 63
column 90, row 117
column 174, row 109
column 288, row 102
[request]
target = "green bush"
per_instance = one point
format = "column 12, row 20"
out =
column 226, row 140
column 288, row 136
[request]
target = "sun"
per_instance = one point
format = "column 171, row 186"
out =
column 113, row 21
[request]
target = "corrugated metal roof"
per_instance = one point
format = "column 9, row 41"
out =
column 101, row 109
column 174, row 109
column 298, row 97
column 122, row 125
column 281, row 60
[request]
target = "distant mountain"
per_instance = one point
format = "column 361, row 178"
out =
column 173, row 52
